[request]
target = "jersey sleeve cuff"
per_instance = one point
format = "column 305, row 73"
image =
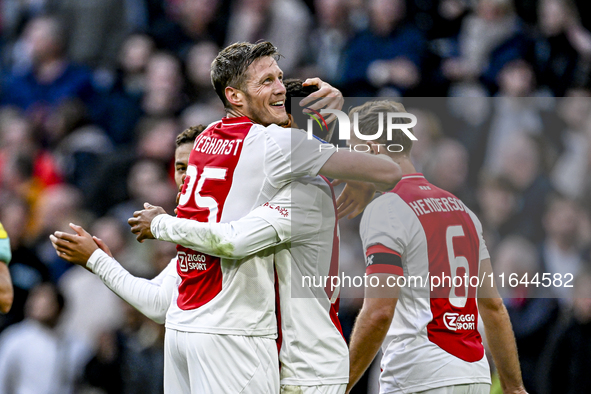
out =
column 93, row 262
column 155, row 225
column 321, row 161
column 484, row 254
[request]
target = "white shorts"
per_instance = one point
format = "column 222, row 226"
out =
column 323, row 389
column 474, row 388
column 196, row 363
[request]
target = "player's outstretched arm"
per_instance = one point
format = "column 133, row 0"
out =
column 499, row 335
column 234, row 240
column 353, row 166
column 150, row 297
column 371, row 327
column 6, row 290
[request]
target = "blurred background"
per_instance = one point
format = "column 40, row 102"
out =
column 94, row 92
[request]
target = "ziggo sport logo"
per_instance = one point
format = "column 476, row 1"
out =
column 455, row 321
column 192, row 261
column 344, row 124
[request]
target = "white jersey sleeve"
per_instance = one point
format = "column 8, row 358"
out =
column 150, row 297
column 483, row 249
column 380, row 225
column 234, row 240
column 292, row 155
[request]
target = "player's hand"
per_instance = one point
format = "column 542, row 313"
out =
column 141, row 221
column 102, row 245
column 330, row 97
column 74, row 248
column 354, row 197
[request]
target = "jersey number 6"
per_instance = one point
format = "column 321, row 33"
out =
column 459, row 267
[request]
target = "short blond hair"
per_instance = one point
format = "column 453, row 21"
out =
column 369, row 118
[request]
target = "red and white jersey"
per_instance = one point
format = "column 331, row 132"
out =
column 235, row 166
column 312, row 348
column 419, row 230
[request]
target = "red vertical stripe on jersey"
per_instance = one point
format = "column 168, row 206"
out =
column 334, row 263
column 278, row 314
column 465, row 342
column 219, row 146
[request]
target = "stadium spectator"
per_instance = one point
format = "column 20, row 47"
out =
column 386, row 55
column 52, row 78
column 571, row 354
column 78, row 144
column 190, row 22
column 570, row 171
column 515, row 113
column 497, row 201
column 561, row 250
column 130, row 359
column 428, row 132
column 115, row 234
column 35, row 356
column 283, row 22
column 521, row 165
column 147, row 180
column 533, row 317
column 449, row 170
column 26, row 167
column 96, row 29
column 164, row 94
column 557, row 60
column 198, row 66
column 133, row 60
column 492, row 23
column 57, row 206
column 328, row 38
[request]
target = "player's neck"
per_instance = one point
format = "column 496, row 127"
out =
column 234, row 113
column 405, row 164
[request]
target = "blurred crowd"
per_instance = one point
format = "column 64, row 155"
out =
column 94, row 92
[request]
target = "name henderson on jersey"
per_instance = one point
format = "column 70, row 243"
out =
column 424, row 206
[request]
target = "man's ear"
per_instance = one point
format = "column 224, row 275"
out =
column 234, row 96
column 375, row 148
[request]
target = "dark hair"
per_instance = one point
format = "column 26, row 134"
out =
column 369, row 117
column 294, row 88
column 189, row 135
column 230, row 65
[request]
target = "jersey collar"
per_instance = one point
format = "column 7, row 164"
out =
column 411, row 176
column 408, row 177
column 238, row 120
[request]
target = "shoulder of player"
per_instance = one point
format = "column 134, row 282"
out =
column 276, row 132
column 384, row 199
column 385, row 203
